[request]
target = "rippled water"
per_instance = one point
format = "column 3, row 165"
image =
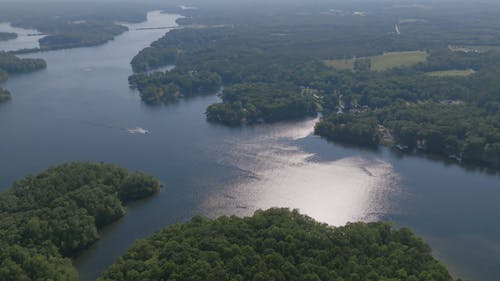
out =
column 277, row 173
column 80, row 107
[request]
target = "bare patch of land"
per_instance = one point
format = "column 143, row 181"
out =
column 453, row 72
column 383, row 62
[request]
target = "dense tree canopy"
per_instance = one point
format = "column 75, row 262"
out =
column 4, row 95
column 79, row 34
column 167, row 87
column 10, row 64
column 452, row 116
column 262, row 102
column 269, row 75
column 278, row 244
column 4, row 36
column 49, row 217
column 68, row 24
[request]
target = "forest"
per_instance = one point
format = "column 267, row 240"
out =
column 78, row 34
column 48, row 218
column 11, row 64
column 4, row 36
column 278, row 244
column 274, row 70
column 450, row 116
column 70, row 24
column 170, row 86
column 4, row 95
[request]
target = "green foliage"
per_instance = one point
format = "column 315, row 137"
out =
column 349, row 128
column 154, row 57
column 4, row 36
column 3, row 76
column 261, row 102
column 4, row 95
column 49, row 217
column 71, row 24
column 272, row 68
column 450, row 116
column 12, row 64
column 137, row 186
column 278, row 244
column 261, row 86
column 82, row 34
column 168, row 87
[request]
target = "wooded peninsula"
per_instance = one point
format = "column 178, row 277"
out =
column 48, row 218
column 417, row 89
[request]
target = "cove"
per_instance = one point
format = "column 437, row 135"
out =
column 80, row 108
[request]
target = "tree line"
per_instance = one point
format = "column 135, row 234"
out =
column 4, row 36
column 11, row 64
column 273, row 70
column 47, row 218
column 278, row 245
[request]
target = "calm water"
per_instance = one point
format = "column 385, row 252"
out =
column 26, row 38
column 80, row 107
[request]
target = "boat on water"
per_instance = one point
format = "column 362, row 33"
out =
column 138, row 130
column 402, row 147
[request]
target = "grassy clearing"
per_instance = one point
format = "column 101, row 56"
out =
column 474, row 48
column 454, row 72
column 347, row 64
column 383, row 62
column 403, row 21
column 397, row 59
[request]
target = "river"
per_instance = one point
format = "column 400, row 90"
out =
column 80, row 107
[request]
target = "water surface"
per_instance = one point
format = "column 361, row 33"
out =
column 80, row 107
column 26, row 38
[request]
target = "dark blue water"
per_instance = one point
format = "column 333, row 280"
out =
column 80, row 107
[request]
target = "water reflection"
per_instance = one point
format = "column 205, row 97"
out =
column 78, row 107
column 277, row 173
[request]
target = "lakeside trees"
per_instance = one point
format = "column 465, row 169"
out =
column 10, row 64
column 4, row 36
column 278, row 244
column 265, row 88
column 167, row 87
column 49, row 217
column 4, row 95
column 450, row 116
column 80, row 34
column 269, row 77
column 74, row 24
column 251, row 103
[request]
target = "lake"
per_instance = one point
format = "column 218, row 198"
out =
column 80, row 108
column 26, row 38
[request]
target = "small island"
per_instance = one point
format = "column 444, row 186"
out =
column 78, row 34
column 73, row 24
column 48, row 218
column 278, row 244
column 5, row 36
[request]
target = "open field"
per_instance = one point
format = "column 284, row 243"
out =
column 383, row 62
column 397, row 59
column 347, row 64
column 474, row 48
column 454, row 72
column 412, row 20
